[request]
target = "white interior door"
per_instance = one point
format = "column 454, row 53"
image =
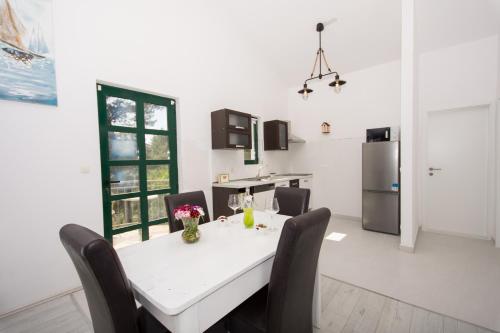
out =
column 455, row 197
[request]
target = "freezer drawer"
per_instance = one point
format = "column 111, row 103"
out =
column 381, row 211
column 381, row 166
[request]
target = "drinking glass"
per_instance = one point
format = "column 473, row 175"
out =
column 234, row 203
column 272, row 208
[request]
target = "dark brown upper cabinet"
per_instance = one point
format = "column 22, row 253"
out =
column 231, row 130
column 275, row 135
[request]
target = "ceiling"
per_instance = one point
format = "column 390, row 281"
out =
column 366, row 33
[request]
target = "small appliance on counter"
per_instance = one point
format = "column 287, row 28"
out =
column 380, row 183
column 382, row 134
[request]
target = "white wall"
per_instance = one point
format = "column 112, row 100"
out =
column 409, row 128
column 497, row 147
column 231, row 161
column 371, row 98
column 460, row 76
column 180, row 51
column 498, row 62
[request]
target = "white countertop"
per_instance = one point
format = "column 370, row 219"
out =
column 243, row 183
column 173, row 275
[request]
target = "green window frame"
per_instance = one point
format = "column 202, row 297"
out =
column 146, row 188
column 251, row 156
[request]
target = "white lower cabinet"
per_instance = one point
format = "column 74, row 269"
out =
column 307, row 183
column 259, row 200
column 262, row 194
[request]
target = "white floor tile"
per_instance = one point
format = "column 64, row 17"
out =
column 454, row 276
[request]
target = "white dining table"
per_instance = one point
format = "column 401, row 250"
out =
column 189, row 287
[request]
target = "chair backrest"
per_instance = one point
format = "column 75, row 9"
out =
column 293, row 201
column 192, row 198
column 291, row 287
column 109, row 295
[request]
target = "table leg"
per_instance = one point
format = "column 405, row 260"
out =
column 317, row 301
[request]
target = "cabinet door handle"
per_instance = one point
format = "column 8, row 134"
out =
column 239, row 146
column 239, row 127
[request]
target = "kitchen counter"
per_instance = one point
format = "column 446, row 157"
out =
column 250, row 182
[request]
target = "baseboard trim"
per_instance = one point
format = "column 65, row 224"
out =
column 347, row 217
column 456, row 234
column 408, row 249
column 411, row 249
column 45, row 300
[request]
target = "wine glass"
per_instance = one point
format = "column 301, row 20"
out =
column 272, row 208
column 234, row 202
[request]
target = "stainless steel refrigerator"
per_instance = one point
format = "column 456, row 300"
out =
column 381, row 195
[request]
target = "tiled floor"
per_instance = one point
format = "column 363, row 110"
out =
column 346, row 308
column 57, row 316
column 454, row 276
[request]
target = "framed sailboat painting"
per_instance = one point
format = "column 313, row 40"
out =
column 27, row 66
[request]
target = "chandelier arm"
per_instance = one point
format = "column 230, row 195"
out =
column 326, row 62
column 317, row 77
column 315, row 62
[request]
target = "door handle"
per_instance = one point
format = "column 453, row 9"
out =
column 109, row 182
column 435, row 169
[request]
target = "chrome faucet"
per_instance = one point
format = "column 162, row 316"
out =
column 260, row 170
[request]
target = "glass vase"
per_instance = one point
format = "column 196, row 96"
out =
column 191, row 234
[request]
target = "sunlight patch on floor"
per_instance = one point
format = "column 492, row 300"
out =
column 336, row 236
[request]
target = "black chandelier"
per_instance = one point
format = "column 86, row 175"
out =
column 320, row 55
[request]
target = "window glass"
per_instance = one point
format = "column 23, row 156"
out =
column 251, row 156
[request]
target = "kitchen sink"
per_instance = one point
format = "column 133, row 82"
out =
column 266, row 179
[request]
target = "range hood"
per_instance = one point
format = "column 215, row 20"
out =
column 292, row 138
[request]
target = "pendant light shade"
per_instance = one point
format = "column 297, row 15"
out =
column 337, row 84
column 305, row 92
column 320, row 59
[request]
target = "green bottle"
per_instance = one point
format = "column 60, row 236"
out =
column 248, row 210
column 248, row 217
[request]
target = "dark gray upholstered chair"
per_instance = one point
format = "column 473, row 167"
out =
column 293, row 201
column 175, row 200
column 285, row 305
column 109, row 295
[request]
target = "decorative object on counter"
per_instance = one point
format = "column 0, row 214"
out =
column 223, row 178
column 248, row 204
column 325, row 128
column 190, row 216
column 320, row 55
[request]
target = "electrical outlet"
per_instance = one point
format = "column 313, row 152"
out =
column 84, row 169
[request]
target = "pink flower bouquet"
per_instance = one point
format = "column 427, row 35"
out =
column 190, row 215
